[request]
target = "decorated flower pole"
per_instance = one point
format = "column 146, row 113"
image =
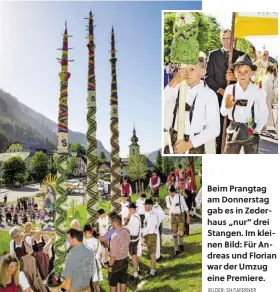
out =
column 184, row 51
column 92, row 178
column 61, row 198
column 115, row 149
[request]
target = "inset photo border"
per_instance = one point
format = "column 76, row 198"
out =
column 219, row 93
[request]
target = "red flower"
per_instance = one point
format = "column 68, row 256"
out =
column 250, row 131
column 54, row 280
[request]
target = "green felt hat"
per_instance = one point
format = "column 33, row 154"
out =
column 185, row 46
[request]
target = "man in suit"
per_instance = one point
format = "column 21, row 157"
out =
column 217, row 76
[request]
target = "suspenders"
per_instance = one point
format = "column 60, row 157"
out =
column 242, row 102
column 188, row 108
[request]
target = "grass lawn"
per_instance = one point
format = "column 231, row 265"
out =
column 4, row 242
column 180, row 274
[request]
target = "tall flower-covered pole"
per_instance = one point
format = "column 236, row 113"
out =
column 61, row 196
column 92, row 178
column 115, row 148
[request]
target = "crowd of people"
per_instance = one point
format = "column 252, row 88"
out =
column 245, row 93
column 108, row 244
column 21, row 212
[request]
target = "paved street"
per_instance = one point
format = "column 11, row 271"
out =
column 14, row 193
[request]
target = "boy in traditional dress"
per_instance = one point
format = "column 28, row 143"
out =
column 154, row 183
column 177, row 207
column 202, row 122
column 245, row 105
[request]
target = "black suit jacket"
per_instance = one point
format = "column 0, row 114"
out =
column 217, row 67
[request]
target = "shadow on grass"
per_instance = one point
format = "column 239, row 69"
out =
column 165, row 288
column 191, row 248
column 179, row 271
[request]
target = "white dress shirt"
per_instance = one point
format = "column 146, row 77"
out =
column 140, row 207
column 160, row 213
column 124, row 211
column 134, row 225
column 151, row 224
column 206, row 116
column 103, row 225
column 198, row 197
column 242, row 114
column 177, row 204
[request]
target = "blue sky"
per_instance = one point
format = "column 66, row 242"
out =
column 30, row 33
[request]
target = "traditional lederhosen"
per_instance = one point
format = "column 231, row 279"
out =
column 237, row 133
column 178, row 219
column 173, row 133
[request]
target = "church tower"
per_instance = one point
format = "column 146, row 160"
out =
column 134, row 148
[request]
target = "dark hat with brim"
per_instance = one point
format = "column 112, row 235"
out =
column 172, row 189
column 149, row 202
column 131, row 206
column 143, row 195
column 244, row 60
column 100, row 212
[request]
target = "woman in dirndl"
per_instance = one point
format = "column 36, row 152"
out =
column 38, row 243
column 11, row 278
column 28, row 264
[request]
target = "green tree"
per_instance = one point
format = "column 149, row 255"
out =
column 101, row 158
column 77, row 147
column 137, row 167
column 39, row 164
column 72, row 164
column 3, row 140
column 14, row 170
column 166, row 165
column 158, row 163
column 245, row 46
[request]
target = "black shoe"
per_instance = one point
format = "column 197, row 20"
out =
column 160, row 259
column 181, row 248
column 134, row 279
column 176, row 253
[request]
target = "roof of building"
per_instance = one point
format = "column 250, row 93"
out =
column 5, row 156
column 30, row 144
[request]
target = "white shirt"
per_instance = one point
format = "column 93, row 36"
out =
column 198, row 197
column 134, row 225
column 206, row 116
column 124, row 211
column 151, row 224
column 140, row 207
column 243, row 113
column 95, row 245
column 157, row 184
column 103, row 225
column 177, row 204
column 160, row 213
column 23, row 281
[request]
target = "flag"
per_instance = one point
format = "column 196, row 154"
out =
column 255, row 24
